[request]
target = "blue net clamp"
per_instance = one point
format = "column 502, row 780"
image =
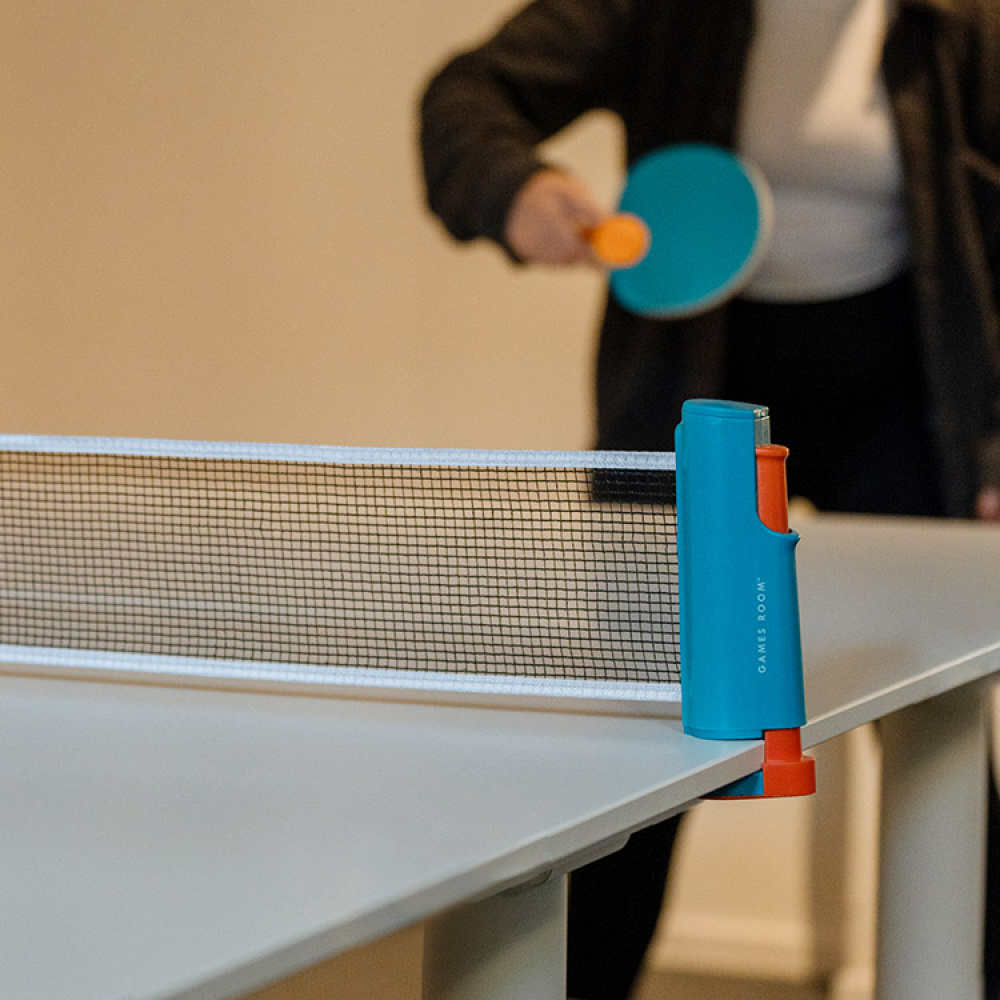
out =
column 741, row 650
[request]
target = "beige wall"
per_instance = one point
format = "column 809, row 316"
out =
column 211, row 226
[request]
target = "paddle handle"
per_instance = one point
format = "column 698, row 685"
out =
column 620, row 241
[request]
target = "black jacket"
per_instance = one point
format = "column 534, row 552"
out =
column 673, row 71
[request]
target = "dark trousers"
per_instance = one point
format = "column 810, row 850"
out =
column 842, row 380
column 614, row 905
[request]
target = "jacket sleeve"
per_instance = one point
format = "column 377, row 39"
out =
column 483, row 115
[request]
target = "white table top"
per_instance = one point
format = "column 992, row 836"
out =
column 191, row 843
column 893, row 611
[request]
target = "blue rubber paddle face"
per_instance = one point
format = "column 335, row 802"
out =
column 709, row 217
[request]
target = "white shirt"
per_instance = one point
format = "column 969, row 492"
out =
column 816, row 121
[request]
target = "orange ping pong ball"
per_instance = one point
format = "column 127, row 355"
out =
column 621, row 240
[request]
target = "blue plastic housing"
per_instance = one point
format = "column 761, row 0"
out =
column 741, row 650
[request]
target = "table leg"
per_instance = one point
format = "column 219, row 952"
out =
column 511, row 946
column 931, row 864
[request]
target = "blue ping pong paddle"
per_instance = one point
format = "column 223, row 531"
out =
column 708, row 218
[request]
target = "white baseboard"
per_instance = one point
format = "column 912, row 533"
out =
column 782, row 950
column 852, row 982
column 731, row 946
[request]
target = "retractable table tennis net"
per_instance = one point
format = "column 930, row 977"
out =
column 527, row 573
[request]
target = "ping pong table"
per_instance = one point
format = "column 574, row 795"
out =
column 195, row 843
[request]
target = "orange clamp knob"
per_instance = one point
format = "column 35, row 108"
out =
column 786, row 771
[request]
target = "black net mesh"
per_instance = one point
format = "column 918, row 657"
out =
column 534, row 572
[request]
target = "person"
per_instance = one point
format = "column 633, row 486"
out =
column 871, row 328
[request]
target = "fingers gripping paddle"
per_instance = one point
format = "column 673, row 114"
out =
column 698, row 221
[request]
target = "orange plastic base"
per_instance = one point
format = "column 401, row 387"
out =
column 786, row 771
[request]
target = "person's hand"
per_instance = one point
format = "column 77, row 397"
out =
column 988, row 504
column 549, row 219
